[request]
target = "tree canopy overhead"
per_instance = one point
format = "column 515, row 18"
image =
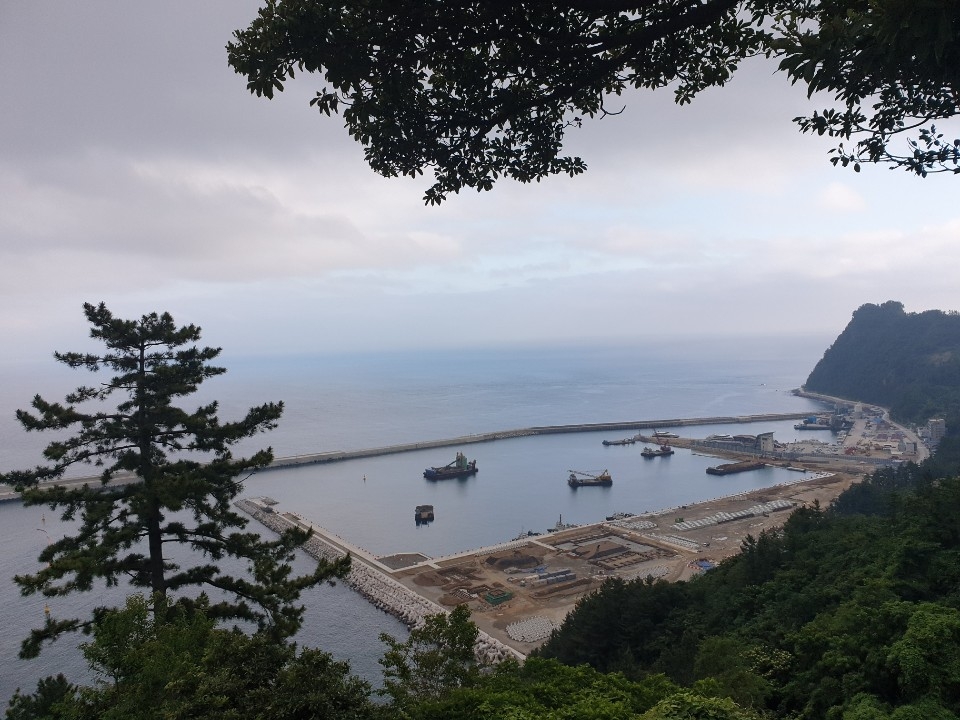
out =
column 475, row 90
column 186, row 480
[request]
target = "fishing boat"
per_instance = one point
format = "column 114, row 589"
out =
column 460, row 467
column 582, row 479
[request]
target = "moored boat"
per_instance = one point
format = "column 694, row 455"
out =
column 625, row 441
column 730, row 468
column 561, row 525
column 582, row 479
column 663, row 450
column 460, row 467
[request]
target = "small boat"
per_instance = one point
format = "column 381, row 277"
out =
column 664, row 434
column 524, row 534
column 423, row 514
column 625, row 441
column 582, row 479
column 458, row 468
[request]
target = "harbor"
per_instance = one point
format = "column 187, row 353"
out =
column 520, row 588
column 518, row 591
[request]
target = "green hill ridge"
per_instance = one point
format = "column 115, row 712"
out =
column 908, row 362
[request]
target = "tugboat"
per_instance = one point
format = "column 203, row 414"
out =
column 458, row 468
column 581, row 479
column 663, row 450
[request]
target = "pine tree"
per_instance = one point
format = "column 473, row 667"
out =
column 183, row 479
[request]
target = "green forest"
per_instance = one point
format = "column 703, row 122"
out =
column 907, row 362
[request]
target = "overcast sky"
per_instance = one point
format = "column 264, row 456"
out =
column 136, row 169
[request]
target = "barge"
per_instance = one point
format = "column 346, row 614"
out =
column 460, row 467
column 730, row 468
column 582, row 479
column 423, row 514
column 662, row 451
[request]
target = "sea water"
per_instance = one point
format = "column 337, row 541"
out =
column 374, row 400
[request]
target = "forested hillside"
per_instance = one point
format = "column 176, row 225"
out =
column 908, row 362
column 848, row 610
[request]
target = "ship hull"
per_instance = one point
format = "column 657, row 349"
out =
column 444, row 474
column 731, row 468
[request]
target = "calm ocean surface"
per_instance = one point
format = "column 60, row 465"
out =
column 351, row 402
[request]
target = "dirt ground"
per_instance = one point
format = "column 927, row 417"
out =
column 519, row 593
column 503, row 589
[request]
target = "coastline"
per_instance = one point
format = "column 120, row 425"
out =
column 672, row 544
column 520, row 590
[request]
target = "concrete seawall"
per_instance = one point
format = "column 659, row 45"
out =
column 341, row 455
column 9, row 495
column 382, row 591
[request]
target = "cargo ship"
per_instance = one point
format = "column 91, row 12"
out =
column 625, row 441
column 582, row 479
column 730, row 468
column 458, row 468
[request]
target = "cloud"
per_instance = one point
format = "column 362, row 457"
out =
column 137, row 169
column 840, row 197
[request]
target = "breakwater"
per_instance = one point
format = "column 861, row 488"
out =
column 382, row 591
column 636, row 425
column 8, row 494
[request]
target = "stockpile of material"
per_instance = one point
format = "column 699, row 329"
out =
column 530, row 630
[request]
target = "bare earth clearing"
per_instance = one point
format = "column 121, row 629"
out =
column 629, row 548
